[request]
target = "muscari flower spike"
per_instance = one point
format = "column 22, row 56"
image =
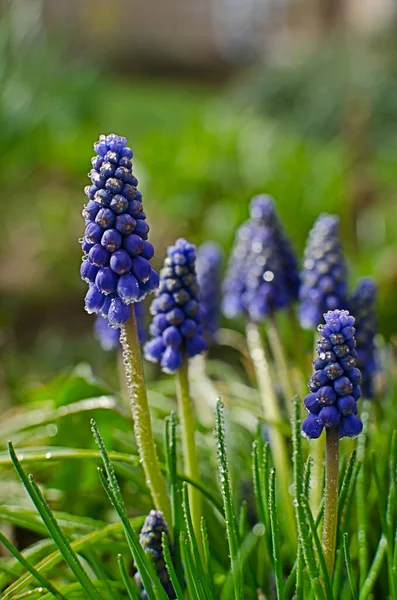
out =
column 362, row 306
column 208, row 268
column 263, row 212
column 335, row 385
column 109, row 337
column 116, row 251
column 151, row 542
column 262, row 276
column 176, row 327
column 323, row 278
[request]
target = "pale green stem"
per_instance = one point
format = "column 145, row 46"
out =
column 272, row 413
column 186, row 417
column 331, row 497
column 137, row 394
column 280, row 360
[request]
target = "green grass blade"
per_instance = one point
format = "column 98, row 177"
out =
column 278, row 568
column 191, row 536
column 207, row 556
column 374, row 570
column 170, row 567
column 171, row 463
column 194, row 590
column 257, row 483
column 318, row 547
column 230, row 518
column 349, row 567
column 54, row 530
column 361, row 498
column 242, row 520
column 42, row 454
column 29, row 567
column 132, row 590
column 303, row 531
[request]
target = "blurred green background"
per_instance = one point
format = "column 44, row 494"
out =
column 305, row 110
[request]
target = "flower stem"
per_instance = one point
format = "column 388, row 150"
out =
column 280, row 359
column 140, row 412
column 272, row 413
column 331, row 497
column 186, row 417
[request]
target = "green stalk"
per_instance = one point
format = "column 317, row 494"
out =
column 140, row 412
column 280, row 360
column 272, row 413
column 331, row 497
column 186, row 417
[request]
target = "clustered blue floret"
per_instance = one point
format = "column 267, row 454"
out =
column 208, row 268
column 362, row 306
column 323, row 278
column 335, row 385
column 151, row 541
column 263, row 273
column 109, row 337
column 116, row 251
column 176, row 327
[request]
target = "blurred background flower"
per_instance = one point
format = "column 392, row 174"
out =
column 220, row 100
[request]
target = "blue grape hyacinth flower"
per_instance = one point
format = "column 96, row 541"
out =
column 208, row 268
column 362, row 305
column 335, row 384
column 323, row 278
column 263, row 212
column 262, row 275
column 176, row 327
column 116, row 261
column 151, row 541
column 109, row 337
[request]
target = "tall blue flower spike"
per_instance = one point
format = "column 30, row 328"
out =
column 234, row 283
column 323, row 278
column 109, row 337
column 263, row 212
column 362, row 305
column 263, row 275
column 150, row 540
column 116, row 251
column 176, row 327
column 208, row 267
column 335, row 385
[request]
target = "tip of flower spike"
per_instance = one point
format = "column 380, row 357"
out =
column 366, row 290
column 262, row 209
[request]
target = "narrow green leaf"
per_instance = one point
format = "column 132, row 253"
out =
column 304, row 532
column 231, row 526
column 191, row 536
column 374, row 570
column 132, row 591
column 278, row 568
column 194, row 590
column 170, row 567
column 349, row 567
column 53, row 528
column 207, row 556
column 171, row 462
column 142, row 562
column 29, row 567
column 256, row 477
column 318, row 547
